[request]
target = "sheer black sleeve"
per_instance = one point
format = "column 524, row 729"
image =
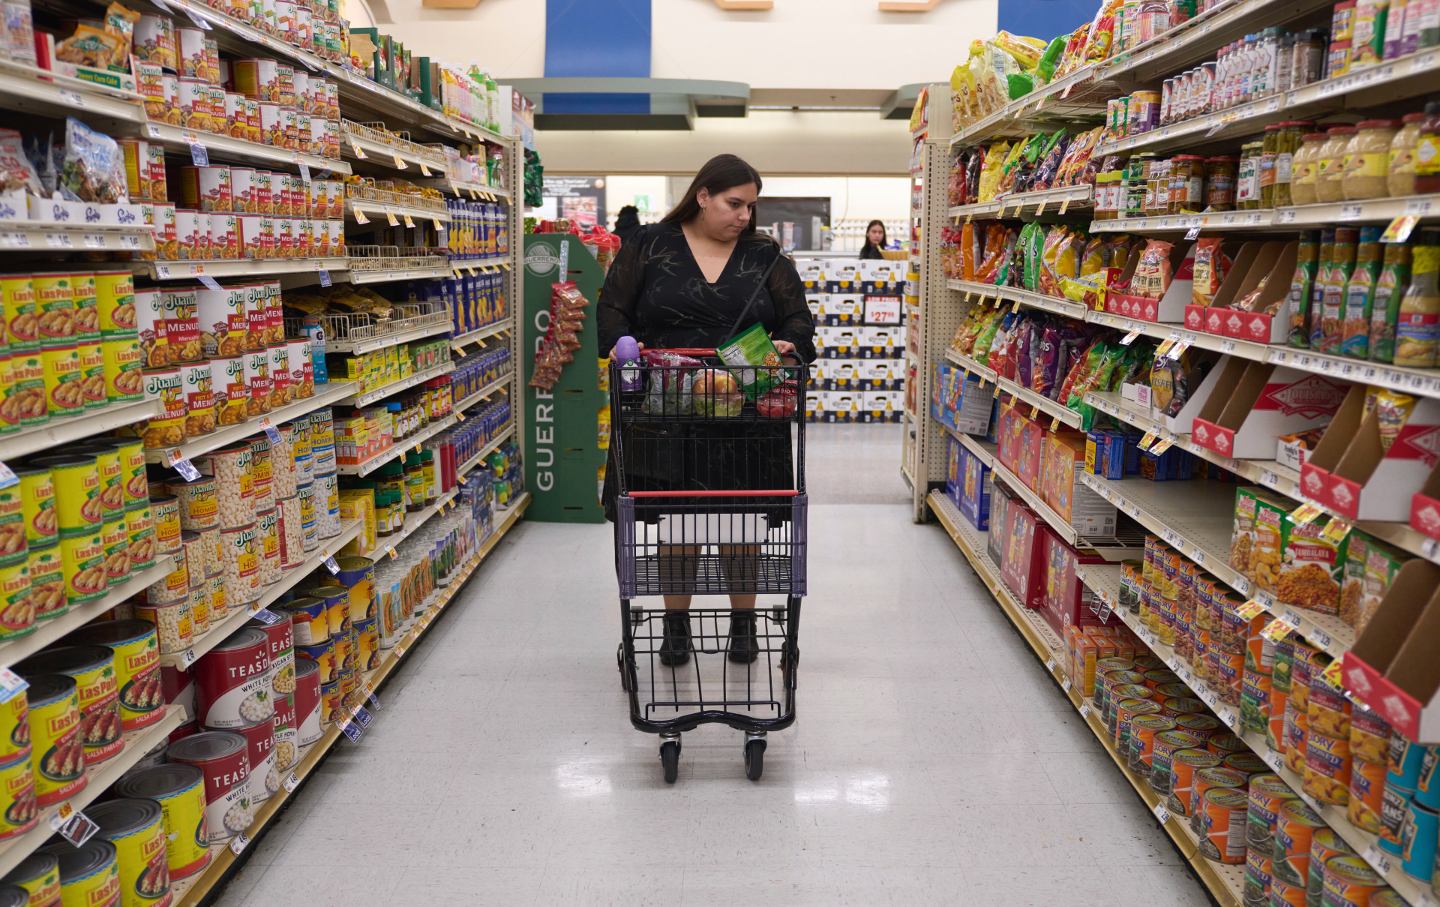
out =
column 615, row 311
column 796, row 324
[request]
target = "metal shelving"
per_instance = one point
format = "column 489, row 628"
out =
column 490, row 447
column 325, row 395
column 1038, row 404
column 239, row 267
column 41, row 236
column 395, row 387
column 397, row 449
column 476, row 336
column 62, row 431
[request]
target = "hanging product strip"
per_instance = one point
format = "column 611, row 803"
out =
column 1260, row 406
column 188, row 371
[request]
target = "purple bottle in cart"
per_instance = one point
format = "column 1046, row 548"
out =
column 627, row 355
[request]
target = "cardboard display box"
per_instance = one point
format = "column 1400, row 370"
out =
column 882, row 406
column 1392, row 666
column 1170, row 307
column 1351, row 473
column 1252, row 404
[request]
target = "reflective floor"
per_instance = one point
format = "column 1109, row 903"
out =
column 932, row 762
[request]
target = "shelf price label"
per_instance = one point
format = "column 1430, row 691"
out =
column 1379, row 859
column 392, row 553
column 392, row 219
column 1277, row 629
column 291, row 783
column 1331, row 675
column 360, row 217
column 399, row 162
column 1130, row 337
column 332, row 565
column 1162, row 815
column 325, row 280
column 1305, row 513
column 1160, row 446
column 186, row 469
column 1335, row 531
column 362, row 716
column 409, row 222
column 1400, row 228
column 1250, row 609
column 353, row 731
column 1193, row 232
column 1147, row 440
column 72, row 824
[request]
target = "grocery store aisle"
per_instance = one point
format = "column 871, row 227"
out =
column 933, row 760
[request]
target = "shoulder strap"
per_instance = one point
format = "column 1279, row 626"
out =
column 750, row 303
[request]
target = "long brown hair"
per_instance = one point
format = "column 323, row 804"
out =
column 721, row 172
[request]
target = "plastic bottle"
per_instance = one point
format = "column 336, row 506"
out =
column 627, row 356
column 1417, row 333
column 1389, row 289
column 1360, row 296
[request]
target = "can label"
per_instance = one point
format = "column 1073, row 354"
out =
column 14, row 728
column 115, row 541
column 228, row 809
column 140, row 528
column 47, row 582
column 233, row 686
column 58, row 753
column 17, row 799
column 137, row 670
column 144, row 871
column 99, row 696
column 83, row 560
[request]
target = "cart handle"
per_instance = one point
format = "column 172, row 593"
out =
column 686, row 350
column 778, row 493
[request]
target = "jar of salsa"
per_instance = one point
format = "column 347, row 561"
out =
column 1187, row 184
column 1220, row 173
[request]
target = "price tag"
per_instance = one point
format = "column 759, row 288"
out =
column 392, row 553
column 1351, row 212
column 1041, row 210
column 291, row 783
column 186, row 469
column 1055, row 423
column 353, row 731
column 1400, row 228
column 1130, row 337
column 59, row 241
column 1193, row 232
column 1162, row 815
column 392, row 219
column 1050, row 665
column 1250, row 609
column 399, row 162
column 199, row 22
column 72, row 824
column 199, row 155
column 1305, row 513
column 1034, row 412
column 332, row 565
column 360, row 217
column 1016, row 307
column 1331, row 675
column 188, row 658
column 1161, row 446
column 267, row 617
column 94, row 240
column 1277, row 629
column 325, row 280
column 1147, row 440
column 1379, row 859
column 208, row 282
column 1064, row 202
column 271, row 432
column 473, row 195
column 424, row 171
column 1335, row 531
column 355, row 147
column 363, row 716
column 1219, row 125
column 304, row 172
column 1085, row 709
column 374, row 701
column 462, row 480
column 1285, row 216
column 439, row 227
column 1163, row 350
column 1065, row 684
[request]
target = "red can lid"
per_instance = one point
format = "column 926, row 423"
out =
column 1303, row 124
column 1379, row 124
column 1341, row 130
column 1412, row 117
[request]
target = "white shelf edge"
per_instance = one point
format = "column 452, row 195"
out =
column 397, row 449
column 325, row 395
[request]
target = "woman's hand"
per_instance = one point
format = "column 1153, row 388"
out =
column 785, row 348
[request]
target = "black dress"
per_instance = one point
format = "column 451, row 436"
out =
column 656, row 293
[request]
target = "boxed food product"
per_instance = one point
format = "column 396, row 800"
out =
column 1257, row 543
column 1373, row 455
column 1308, row 572
column 975, row 491
column 1066, row 601
column 1253, row 403
column 1000, row 503
column 1024, row 569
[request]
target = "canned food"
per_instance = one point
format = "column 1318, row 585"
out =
column 1327, row 768
column 233, row 469
column 260, row 750
column 14, row 727
column 331, row 707
column 308, row 718
column 1325, row 846
column 27, row 376
column 232, row 682
column 1184, row 765
column 57, row 751
column 1223, row 813
column 242, row 565
column 199, row 503
column 292, row 540
column 63, row 379
column 1418, row 840
column 1367, row 795
column 174, row 624
column 115, row 545
column 368, row 645
column 137, row 667
column 17, row 299
column 151, row 325
column 173, row 586
column 55, row 308
column 200, row 415
column 91, row 355
column 17, row 608
column 89, row 874
column 18, row 810
column 219, row 601
column 136, row 827
column 286, row 733
column 1166, row 745
column 182, row 325
column 1427, row 786
column 1349, row 880
column 223, row 757
column 345, row 654
column 140, row 528
column 93, row 668
column 232, row 394
column 267, row 525
column 262, row 473
column 1295, row 827
column 322, row 655
column 310, row 622
column 356, row 576
column 83, row 560
column 167, row 428
column 337, row 606
column 39, row 875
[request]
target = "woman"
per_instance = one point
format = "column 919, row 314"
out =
column 874, row 240
column 696, row 279
column 627, row 223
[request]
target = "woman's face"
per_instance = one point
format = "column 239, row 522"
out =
column 876, row 235
column 726, row 214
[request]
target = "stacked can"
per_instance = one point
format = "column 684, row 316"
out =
column 1267, row 794
column 1369, row 753
column 19, row 809
column 267, row 517
column 287, row 503
column 92, row 667
column 326, row 481
column 1421, row 832
column 233, row 469
column 1327, row 742
column 1297, row 719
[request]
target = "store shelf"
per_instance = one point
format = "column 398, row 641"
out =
column 1014, row 117
column 73, row 428
column 1405, row 77
column 227, row 148
column 29, row 89
column 461, row 189
column 411, row 158
column 325, row 395
column 485, row 393
column 390, row 545
column 430, row 326
column 49, row 632
column 1197, row 520
column 224, row 857
column 375, row 209
column 492, row 265
column 397, row 449
column 240, row 267
column 474, row 337
column 237, row 618
column 380, row 393
column 1026, row 396
column 1060, row 200
column 44, row 236
column 480, row 455
column 1369, row 211
column 1225, row 883
column 1104, row 581
column 370, row 272
column 1181, row 223
column 99, row 778
column 1268, row 473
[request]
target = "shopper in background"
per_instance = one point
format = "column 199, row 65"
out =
column 874, row 240
column 627, row 223
column 686, row 282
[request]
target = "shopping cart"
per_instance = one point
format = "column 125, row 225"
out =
column 690, row 451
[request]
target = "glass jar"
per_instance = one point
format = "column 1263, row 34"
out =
column 1187, row 184
column 1220, row 175
column 1269, row 150
column 1247, row 180
column 1307, row 169
column 1330, row 180
column 1288, row 145
column 1427, row 151
column 1400, row 164
column 1367, row 158
column 1157, row 188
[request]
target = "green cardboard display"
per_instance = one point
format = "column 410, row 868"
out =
column 563, row 460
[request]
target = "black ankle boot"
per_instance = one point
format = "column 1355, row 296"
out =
column 744, row 647
column 675, row 645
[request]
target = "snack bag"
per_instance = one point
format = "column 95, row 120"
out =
column 752, row 347
column 94, row 169
column 1211, row 266
column 671, row 378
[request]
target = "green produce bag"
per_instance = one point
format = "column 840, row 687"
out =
column 752, row 347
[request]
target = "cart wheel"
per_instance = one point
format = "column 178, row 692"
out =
column 754, row 759
column 670, row 759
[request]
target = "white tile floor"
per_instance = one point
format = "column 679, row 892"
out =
column 932, row 761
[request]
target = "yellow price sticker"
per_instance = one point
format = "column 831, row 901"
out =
column 1400, row 228
column 1160, row 446
column 1277, row 630
column 355, row 147
column 1250, row 609
column 1016, row 307
column 462, row 480
column 360, row 217
column 1064, row 202
column 392, row 553
column 1055, row 423
column 1335, row 530
column 1305, row 513
column 417, row 447
column 1331, row 674
column 425, row 171
column 1147, row 440
column 1034, row 412
column 1164, row 347
column 399, row 162
column 1041, row 210
column 409, row 222
column 393, row 220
